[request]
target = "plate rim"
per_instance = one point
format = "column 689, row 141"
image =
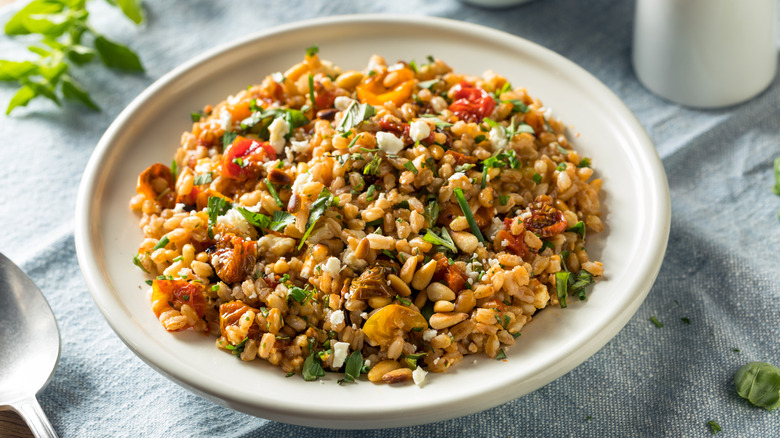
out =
column 85, row 207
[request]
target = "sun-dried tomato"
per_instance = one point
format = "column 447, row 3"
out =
column 545, row 220
column 514, row 244
column 471, row 103
column 145, row 186
column 230, row 314
column 461, row 159
column 456, row 278
column 234, row 258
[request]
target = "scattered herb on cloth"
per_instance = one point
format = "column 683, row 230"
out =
column 759, row 383
column 714, row 426
column 776, row 188
column 65, row 39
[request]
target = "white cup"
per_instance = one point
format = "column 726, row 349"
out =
column 705, row 53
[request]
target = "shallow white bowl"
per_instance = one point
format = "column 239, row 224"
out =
column 636, row 201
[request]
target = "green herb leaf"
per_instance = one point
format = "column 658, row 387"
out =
column 561, row 286
column 353, row 367
column 311, row 90
column 203, row 178
column 354, row 115
column 313, row 50
column 132, row 10
column 464, row 206
column 257, row 219
column 428, row 84
column 280, row 220
column 403, row 300
column 238, row 348
column 73, row 92
column 372, row 168
column 299, row 295
column 439, row 123
column 685, row 320
column 444, row 240
column 137, row 262
column 578, row 228
column 537, row 178
column 13, row 71
column 776, row 188
column 501, row 355
column 117, row 56
column 312, row 366
column 585, row 162
column 216, row 207
column 759, row 383
column 503, row 199
column 370, row 193
column 16, row 25
column 409, row 165
column 518, row 106
column 274, row 193
column 714, row 426
column 21, row 98
column 318, row 207
column 411, row 360
column 162, row 243
column 656, row 322
column 432, row 212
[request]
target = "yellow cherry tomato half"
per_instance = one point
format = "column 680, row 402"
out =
column 382, row 325
column 373, row 92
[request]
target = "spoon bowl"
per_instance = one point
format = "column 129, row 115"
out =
column 29, row 346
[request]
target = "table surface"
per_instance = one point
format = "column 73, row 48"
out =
column 717, row 294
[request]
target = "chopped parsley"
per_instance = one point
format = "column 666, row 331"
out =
column 578, row 228
column 503, row 199
column 411, row 359
column 313, row 50
column 585, row 162
column 174, row 169
column 257, row 219
column 403, row 300
column 280, row 220
column 537, row 178
column 195, row 116
column 370, row 193
column 238, row 348
column 216, row 207
column 300, row 295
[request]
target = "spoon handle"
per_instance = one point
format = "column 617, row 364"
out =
column 36, row 420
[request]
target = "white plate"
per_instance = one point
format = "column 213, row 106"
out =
column 148, row 130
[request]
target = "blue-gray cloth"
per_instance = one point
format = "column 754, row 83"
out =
column 720, row 272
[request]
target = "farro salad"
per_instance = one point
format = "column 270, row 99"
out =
column 388, row 221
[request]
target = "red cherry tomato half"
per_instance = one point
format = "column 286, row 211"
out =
column 243, row 157
column 471, row 103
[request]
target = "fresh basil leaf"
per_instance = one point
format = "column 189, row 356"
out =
column 72, row 91
column 714, row 426
column 203, row 178
column 80, row 54
column 117, row 56
column 132, row 10
column 501, row 355
column 298, row 294
column 428, row 84
column 53, row 25
column 313, row 50
column 312, row 366
column 21, row 98
column 16, row 25
column 518, row 106
column 432, row 212
column 353, row 366
column 578, row 228
column 228, row 138
column 444, row 240
column 354, row 115
column 439, row 123
column 561, row 286
column 318, row 207
column 759, row 383
column 13, row 71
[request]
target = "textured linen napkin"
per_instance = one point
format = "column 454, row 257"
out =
column 720, row 270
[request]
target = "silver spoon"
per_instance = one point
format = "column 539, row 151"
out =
column 29, row 346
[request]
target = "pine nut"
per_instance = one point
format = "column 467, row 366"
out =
column 424, row 275
column 440, row 321
column 375, row 374
column 397, row 376
column 407, row 270
column 443, row 306
column 362, row 249
column 440, row 292
column 466, row 241
column 399, row 285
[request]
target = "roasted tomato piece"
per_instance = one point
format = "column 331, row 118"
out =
column 371, row 283
column 234, row 258
column 514, row 244
column 242, row 159
column 323, row 98
column 373, row 91
column 545, row 220
column 229, row 314
column 455, row 278
column 156, row 183
column 471, row 103
column 484, row 216
column 461, row 159
column 381, row 327
column 172, row 295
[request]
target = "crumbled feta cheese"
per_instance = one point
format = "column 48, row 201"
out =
column 457, row 175
column 253, row 208
column 397, row 66
column 203, row 166
column 547, row 112
column 300, row 147
column 342, row 102
column 498, row 138
column 436, row 361
column 419, row 375
column 429, row 334
column 179, row 208
column 339, row 354
column 419, row 130
column 332, row 266
column 367, row 363
column 225, row 120
column 235, row 222
column 337, row 317
column 301, row 180
column 492, row 262
column 389, row 142
column 504, row 243
column 277, row 130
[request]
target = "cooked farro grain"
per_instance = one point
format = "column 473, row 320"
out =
column 398, row 217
